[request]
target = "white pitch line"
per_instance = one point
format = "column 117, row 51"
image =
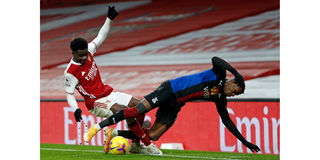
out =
column 68, row 150
column 167, row 155
column 195, row 157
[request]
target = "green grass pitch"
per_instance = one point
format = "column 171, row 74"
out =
column 83, row 152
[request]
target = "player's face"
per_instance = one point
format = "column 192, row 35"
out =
column 231, row 89
column 80, row 56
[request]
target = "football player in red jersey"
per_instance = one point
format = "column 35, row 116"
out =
column 82, row 74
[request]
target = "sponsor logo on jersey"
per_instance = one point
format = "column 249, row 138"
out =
column 155, row 100
column 81, row 90
column 206, row 93
column 92, row 72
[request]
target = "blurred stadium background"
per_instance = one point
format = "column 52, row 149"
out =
column 155, row 40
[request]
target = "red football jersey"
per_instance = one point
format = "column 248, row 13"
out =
column 89, row 84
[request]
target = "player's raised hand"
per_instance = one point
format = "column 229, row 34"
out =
column 112, row 12
column 77, row 115
column 252, row 147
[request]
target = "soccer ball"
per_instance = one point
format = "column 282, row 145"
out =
column 118, row 145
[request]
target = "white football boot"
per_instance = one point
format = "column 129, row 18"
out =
column 136, row 148
column 151, row 150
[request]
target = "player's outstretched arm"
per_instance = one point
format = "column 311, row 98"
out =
column 69, row 86
column 103, row 32
column 218, row 62
column 226, row 120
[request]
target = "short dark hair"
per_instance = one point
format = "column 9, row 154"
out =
column 240, row 83
column 78, row 43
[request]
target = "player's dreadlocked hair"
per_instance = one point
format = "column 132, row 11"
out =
column 78, row 43
column 240, row 83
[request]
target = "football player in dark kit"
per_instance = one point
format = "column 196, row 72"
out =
column 171, row 95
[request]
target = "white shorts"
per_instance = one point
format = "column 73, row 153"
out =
column 102, row 106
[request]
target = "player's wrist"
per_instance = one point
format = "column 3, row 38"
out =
column 77, row 114
column 78, row 110
column 245, row 142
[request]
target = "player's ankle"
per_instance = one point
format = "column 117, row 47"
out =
column 97, row 126
column 114, row 132
column 148, row 145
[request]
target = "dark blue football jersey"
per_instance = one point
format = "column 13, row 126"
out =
column 206, row 85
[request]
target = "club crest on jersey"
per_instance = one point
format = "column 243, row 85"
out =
column 210, row 92
column 214, row 90
column 83, row 73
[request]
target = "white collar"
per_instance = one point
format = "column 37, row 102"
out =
column 73, row 62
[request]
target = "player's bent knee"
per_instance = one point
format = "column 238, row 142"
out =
column 133, row 102
column 117, row 107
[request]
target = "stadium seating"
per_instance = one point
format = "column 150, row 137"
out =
column 156, row 21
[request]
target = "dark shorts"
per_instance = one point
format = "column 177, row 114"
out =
column 164, row 98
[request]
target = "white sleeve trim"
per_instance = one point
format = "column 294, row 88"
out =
column 70, row 83
column 102, row 35
column 72, row 101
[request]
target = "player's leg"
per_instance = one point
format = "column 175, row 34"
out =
column 106, row 107
column 151, row 101
column 135, row 147
column 101, row 108
column 128, row 133
column 132, row 103
column 142, row 108
column 115, row 118
column 165, row 117
column 134, row 124
column 155, row 98
column 158, row 129
column 150, row 148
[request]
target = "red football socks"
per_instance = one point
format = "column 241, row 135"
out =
column 131, row 112
column 137, row 130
